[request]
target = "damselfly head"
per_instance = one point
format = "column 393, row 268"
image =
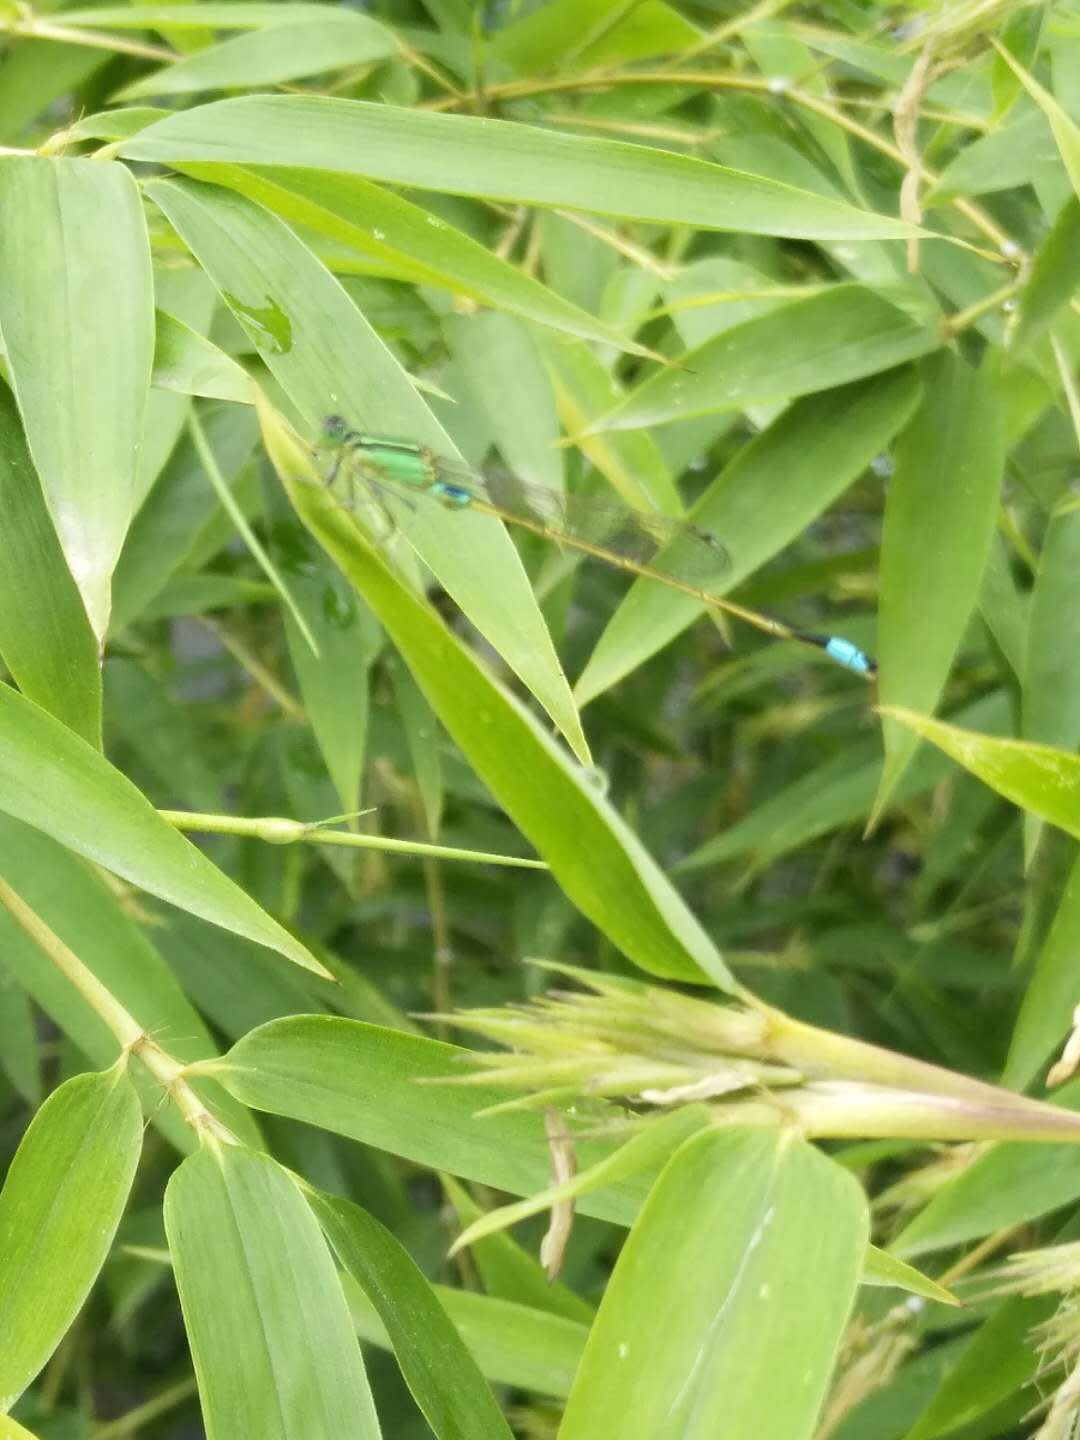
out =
column 333, row 430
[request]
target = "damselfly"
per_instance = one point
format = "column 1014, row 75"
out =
column 676, row 553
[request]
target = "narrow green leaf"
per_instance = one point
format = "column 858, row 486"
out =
column 1050, row 700
column 141, row 711
column 329, row 360
column 391, row 230
column 1001, row 1358
column 388, row 1090
column 593, row 855
column 254, row 545
column 838, row 792
column 188, row 363
column 507, row 1271
column 1050, row 688
column 189, row 300
column 35, row 75
column 1021, row 36
column 59, row 1209
column 80, row 351
column 1005, row 157
column 881, row 1268
column 200, row 594
column 94, row 921
column 646, row 1151
column 778, row 50
column 57, row 783
column 1065, row 129
column 492, row 349
column 948, row 472
column 630, row 461
column 20, row 1050
column 587, row 33
column 115, row 124
column 270, row 56
column 512, row 1344
column 334, row 682
column 1050, row 995
column 243, row 15
column 705, row 297
column 841, row 335
column 775, row 486
column 737, row 1336
column 45, row 636
column 1007, row 1184
column 1043, row 781
column 271, row 1341
column 445, row 1380
column 1003, row 608
column 1053, row 279
column 498, row 160
column 423, row 738
column 11, row 1430
column 239, row 986
column 178, row 511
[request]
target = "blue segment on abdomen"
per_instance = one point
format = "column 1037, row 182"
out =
column 849, row 655
column 451, row 494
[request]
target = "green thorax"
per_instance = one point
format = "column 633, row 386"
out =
column 394, row 461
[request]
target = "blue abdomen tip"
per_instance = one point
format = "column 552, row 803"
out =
column 849, row 655
column 452, row 494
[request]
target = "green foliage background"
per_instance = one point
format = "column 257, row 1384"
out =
column 806, row 274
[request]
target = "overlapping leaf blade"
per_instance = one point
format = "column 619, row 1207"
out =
column 80, row 351
column 499, row 160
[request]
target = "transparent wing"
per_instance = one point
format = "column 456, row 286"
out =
column 677, row 548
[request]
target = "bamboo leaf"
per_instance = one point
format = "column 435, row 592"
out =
column 1050, row 705
column 57, row 783
column 11, row 1430
column 445, row 1381
column 389, row 1090
column 1000, row 1359
column 838, row 792
column 329, row 360
column 512, row 1344
column 773, row 488
column 884, row 1269
column 241, row 15
column 419, row 246
column 1053, row 279
column 739, row 1335
column 1050, row 995
column 254, row 1274
column 179, row 511
column 499, row 160
column 596, row 859
column 1008, row 1184
column 1066, row 131
column 591, row 32
column 188, row 363
column 948, row 474
column 80, row 351
column 275, row 53
column 45, row 636
column 1043, row 781
column 645, row 1151
column 59, row 1209
column 833, row 338
column 72, row 900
